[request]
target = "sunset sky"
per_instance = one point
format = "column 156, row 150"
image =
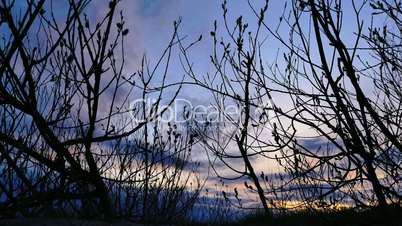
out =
column 150, row 24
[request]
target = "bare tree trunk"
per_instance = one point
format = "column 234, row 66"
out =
column 253, row 176
column 377, row 188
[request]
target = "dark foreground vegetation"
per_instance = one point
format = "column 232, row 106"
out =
column 318, row 123
column 390, row 215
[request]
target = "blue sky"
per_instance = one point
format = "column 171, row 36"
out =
column 151, row 24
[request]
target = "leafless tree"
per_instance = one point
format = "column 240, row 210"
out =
column 69, row 133
column 338, row 137
column 237, row 135
column 359, row 143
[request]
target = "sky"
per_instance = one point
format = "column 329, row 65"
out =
column 150, row 24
